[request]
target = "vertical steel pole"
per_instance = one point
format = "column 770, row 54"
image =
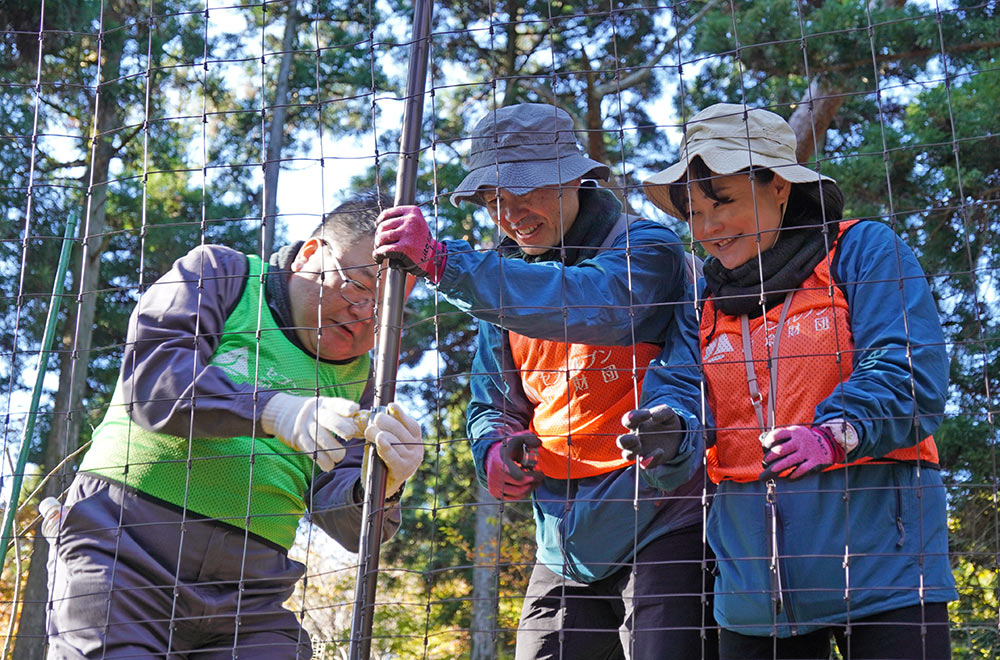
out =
column 387, row 351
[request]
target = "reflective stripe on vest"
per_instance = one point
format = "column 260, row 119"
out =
column 816, row 355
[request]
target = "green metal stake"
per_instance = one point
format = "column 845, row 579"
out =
column 36, row 394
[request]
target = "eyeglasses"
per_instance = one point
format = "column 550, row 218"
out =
column 352, row 291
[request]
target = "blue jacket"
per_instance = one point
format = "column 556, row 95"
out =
column 634, row 291
column 890, row 517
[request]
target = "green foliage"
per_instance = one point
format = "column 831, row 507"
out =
column 156, row 208
column 973, row 617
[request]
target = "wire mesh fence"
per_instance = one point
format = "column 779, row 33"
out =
column 177, row 157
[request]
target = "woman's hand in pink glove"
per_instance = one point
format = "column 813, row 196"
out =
column 510, row 473
column 403, row 235
column 801, row 449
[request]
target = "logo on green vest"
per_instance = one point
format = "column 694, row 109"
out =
column 236, row 364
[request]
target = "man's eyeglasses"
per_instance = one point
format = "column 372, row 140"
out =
column 352, row 291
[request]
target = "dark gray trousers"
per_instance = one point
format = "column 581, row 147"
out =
column 128, row 579
column 661, row 610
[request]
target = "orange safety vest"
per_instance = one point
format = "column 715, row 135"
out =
column 580, row 393
column 815, row 354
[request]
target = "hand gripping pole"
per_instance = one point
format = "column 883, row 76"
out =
column 387, row 350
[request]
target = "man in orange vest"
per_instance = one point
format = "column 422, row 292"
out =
column 572, row 277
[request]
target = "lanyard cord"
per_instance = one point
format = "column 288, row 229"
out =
column 755, row 397
column 770, row 498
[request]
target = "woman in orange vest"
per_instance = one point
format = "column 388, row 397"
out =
column 826, row 373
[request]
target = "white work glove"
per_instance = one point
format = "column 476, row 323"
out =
column 399, row 443
column 52, row 512
column 312, row 425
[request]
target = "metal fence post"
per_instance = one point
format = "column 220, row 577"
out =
column 387, row 351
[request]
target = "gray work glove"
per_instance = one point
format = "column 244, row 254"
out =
column 656, row 438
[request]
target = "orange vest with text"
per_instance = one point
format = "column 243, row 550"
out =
column 580, row 393
column 815, row 354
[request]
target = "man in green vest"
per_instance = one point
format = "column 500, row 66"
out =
column 235, row 414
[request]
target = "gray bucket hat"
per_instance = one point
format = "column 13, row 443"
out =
column 523, row 147
column 730, row 137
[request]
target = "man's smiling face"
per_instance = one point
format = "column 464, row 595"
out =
column 538, row 219
column 326, row 322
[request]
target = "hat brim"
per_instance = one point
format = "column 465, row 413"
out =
column 723, row 162
column 521, row 177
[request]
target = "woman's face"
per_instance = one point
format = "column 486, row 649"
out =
column 729, row 227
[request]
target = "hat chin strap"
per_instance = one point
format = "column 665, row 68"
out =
column 781, row 223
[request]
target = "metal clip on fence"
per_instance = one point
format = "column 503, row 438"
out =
column 387, row 351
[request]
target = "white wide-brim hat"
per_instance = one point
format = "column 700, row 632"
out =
column 731, row 137
column 523, row 147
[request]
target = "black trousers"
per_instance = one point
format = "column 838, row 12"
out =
column 662, row 610
column 892, row 635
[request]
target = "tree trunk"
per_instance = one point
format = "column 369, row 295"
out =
column 69, row 412
column 813, row 117
column 484, row 578
column 595, row 125
column 30, row 638
column 276, row 133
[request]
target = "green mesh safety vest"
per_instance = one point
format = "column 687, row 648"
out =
column 252, row 483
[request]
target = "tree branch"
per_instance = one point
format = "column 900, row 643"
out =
column 812, row 117
column 920, row 53
column 640, row 75
column 541, row 90
column 125, row 140
column 541, row 38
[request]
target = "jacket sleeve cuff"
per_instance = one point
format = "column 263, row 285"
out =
column 451, row 272
column 678, row 470
column 843, row 433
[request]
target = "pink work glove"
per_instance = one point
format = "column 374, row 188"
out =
column 801, row 449
column 510, row 473
column 403, row 235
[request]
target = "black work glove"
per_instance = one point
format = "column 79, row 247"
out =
column 657, row 437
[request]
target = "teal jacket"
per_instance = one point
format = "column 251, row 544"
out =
column 634, row 290
column 865, row 539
